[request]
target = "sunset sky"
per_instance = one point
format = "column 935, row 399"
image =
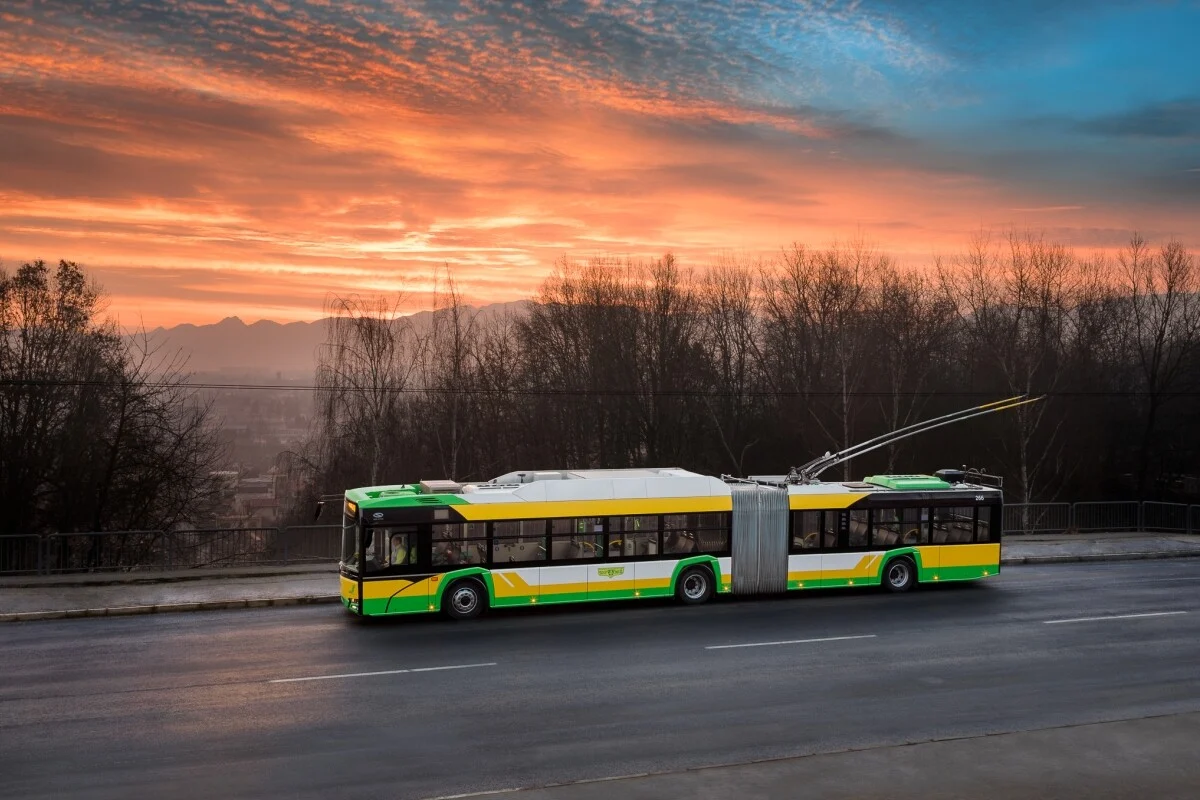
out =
column 207, row 158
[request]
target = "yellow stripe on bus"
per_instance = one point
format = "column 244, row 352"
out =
column 969, row 555
column 814, row 502
column 626, row 507
column 381, row 590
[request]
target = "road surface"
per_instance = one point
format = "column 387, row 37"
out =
column 305, row 702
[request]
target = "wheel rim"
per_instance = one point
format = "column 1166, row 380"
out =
column 694, row 586
column 898, row 574
column 464, row 600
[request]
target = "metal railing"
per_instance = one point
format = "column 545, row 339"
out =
column 1125, row 516
column 1167, row 517
column 20, row 554
column 1115, row 517
column 104, row 551
column 1038, row 517
column 153, row 551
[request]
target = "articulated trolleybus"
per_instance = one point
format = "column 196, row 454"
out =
column 566, row 536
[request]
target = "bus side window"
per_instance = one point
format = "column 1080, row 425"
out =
column 987, row 529
column 858, row 528
column 954, row 525
column 806, row 531
column 885, row 532
column 914, row 526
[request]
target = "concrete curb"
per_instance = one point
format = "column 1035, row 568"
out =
column 166, row 608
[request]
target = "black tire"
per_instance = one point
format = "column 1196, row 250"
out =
column 900, row 574
column 695, row 586
column 464, row 599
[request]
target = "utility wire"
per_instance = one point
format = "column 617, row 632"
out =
column 603, row 392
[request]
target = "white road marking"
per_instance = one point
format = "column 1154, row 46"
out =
column 384, row 672
column 789, row 641
column 1117, row 616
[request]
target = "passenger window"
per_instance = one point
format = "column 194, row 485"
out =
column 459, row 544
column 914, row 526
column 584, row 545
column 680, row 541
column 514, row 542
column 806, row 530
column 985, row 529
column 633, row 536
column 641, row 523
column 713, row 540
column 886, row 530
column 858, row 528
column 642, row 544
column 954, row 525
column 696, row 533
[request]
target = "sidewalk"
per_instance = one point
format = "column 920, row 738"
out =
column 64, row 596
column 1072, row 547
column 59, row 596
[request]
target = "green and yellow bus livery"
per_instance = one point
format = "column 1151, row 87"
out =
column 535, row 538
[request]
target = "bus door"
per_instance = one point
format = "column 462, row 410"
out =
column 398, row 572
column 838, row 567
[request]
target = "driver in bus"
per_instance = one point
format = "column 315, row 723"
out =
column 399, row 549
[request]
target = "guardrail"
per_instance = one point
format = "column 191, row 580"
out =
column 20, row 554
column 1038, row 517
column 1126, row 516
column 154, row 551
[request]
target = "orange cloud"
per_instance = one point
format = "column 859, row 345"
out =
column 302, row 153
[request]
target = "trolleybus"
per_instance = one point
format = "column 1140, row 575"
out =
column 568, row 536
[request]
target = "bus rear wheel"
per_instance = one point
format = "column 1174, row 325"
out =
column 694, row 586
column 900, row 574
column 465, row 599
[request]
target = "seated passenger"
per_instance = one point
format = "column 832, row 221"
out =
column 447, row 553
column 676, row 542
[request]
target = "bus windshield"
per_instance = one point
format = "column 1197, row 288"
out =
column 349, row 543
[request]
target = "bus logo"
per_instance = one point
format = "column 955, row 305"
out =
column 610, row 572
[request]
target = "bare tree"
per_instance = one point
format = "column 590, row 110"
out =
column 818, row 334
column 915, row 322
column 97, row 432
column 1163, row 331
column 1014, row 304
column 366, row 372
column 448, row 378
column 729, row 331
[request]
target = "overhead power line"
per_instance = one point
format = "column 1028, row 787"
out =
column 598, row 392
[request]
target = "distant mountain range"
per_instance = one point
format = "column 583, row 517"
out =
column 266, row 349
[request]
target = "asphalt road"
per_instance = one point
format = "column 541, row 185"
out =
column 206, row 704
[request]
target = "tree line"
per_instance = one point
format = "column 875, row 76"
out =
column 98, row 432
column 752, row 367
column 736, row 367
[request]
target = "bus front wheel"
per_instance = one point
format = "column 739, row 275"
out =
column 695, row 586
column 465, row 599
column 900, row 574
